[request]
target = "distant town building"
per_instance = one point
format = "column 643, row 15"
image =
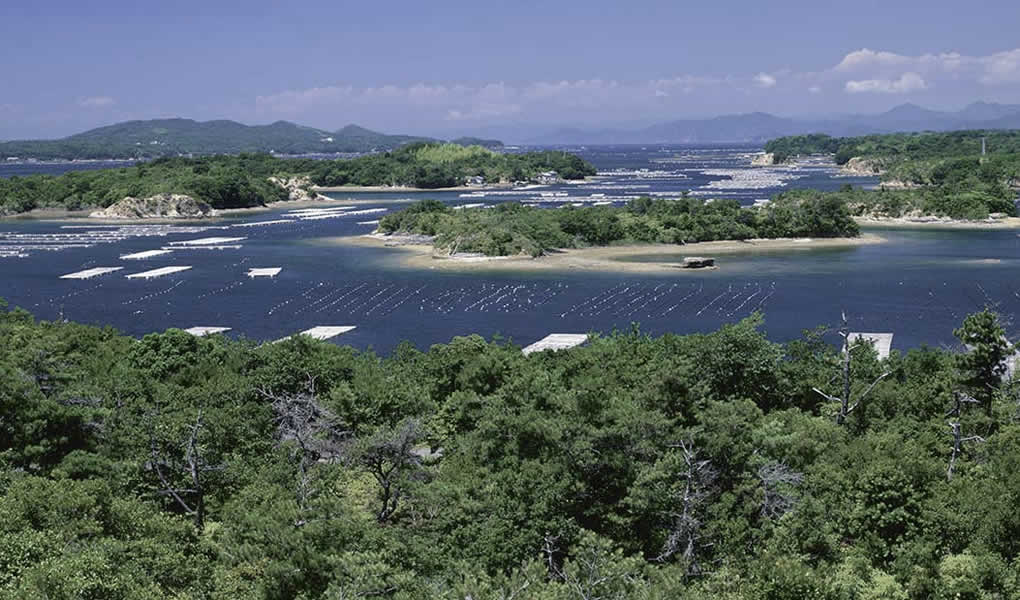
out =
column 548, row 178
column 475, row 180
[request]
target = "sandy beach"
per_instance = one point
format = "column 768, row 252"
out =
column 411, row 253
column 937, row 223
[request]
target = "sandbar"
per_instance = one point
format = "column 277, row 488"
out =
column 413, row 253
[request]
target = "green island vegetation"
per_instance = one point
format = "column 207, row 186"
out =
column 172, row 137
column 447, row 165
column 242, row 181
column 970, row 202
column 511, row 228
column 475, row 141
column 946, row 173
column 222, row 181
column 700, row 467
column 898, row 146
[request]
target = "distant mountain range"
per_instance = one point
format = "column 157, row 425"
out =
column 760, row 127
column 172, row 137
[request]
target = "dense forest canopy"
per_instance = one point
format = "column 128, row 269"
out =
column 242, row 181
column 972, row 203
column 447, row 165
column 511, row 228
column 956, row 179
column 701, row 467
column 898, row 146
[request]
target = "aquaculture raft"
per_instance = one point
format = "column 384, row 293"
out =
column 204, row 331
column 157, row 272
column 557, row 341
column 90, row 273
column 882, row 341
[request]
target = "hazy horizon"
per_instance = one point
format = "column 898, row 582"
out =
column 462, row 68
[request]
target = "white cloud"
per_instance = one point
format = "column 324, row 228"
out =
column 764, row 80
column 865, row 58
column 865, row 72
column 1000, row 68
column 908, row 82
column 96, row 102
column 1003, row 67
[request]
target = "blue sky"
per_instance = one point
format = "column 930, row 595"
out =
column 444, row 67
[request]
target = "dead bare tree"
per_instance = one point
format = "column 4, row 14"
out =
column 777, row 480
column 589, row 575
column 390, row 458
column 191, row 466
column 316, row 434
column 960, row 400
column 846, row 402
column 684, row 537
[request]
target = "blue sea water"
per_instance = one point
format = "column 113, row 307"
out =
column 919, row 285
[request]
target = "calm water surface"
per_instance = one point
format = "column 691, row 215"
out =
column 919, row 285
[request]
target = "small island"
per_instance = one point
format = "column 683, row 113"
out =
column 513, row 236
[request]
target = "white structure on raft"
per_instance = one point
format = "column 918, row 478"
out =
column 209, row 241
column 882, row 341
column 200, row 331
column 325, row 332
column 90, row 273
column 264, row 272
column 144, row 254
column 157, row 272
column 557, row 341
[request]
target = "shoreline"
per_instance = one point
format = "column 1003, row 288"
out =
column 413, row 254
column 355, row 189
column 937, row 223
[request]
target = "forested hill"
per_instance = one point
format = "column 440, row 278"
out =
column 171, row 137
column 698, row 467
column 898, row 146
column 242, row 181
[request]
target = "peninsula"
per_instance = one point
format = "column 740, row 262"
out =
column 253, row 180
column 959, row 175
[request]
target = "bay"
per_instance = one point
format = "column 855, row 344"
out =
column 919, row 285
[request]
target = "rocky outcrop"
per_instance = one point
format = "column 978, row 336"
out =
column 859, row 166
column 298, row 188
column 160, row 206
column 763, row 159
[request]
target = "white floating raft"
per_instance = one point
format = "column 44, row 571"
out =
column 157, row 272
column 264, row 272
column 260, row 223
column 145, row 254
column 204, row 331
column 90, row 273
column 557, row 341
column 882, row 341
column 209, row 241
column 325, row 332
